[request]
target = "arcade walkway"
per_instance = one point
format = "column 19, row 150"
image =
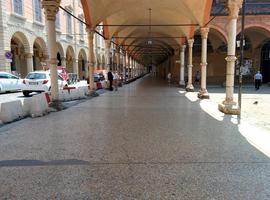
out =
column 146, row 141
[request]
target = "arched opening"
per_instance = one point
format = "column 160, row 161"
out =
column 19, row 48
column 60, row 55
column 254, row 52
column 70, row 56
column 265, row 62
column 39, row 54
column 59, row 59
column 82, row 64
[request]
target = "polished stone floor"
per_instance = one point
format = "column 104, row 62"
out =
column 146, row 141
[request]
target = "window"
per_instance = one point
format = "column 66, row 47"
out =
column 81, row 31
column 69, row 23
column 57, row 21
column 38, row 11
column 69, row 20
column 18, row 7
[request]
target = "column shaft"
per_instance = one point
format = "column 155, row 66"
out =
column 182, row 66
column 190, row 65
column 203, row 93
column 91, row 60
column 229, row 106
column 29, row 60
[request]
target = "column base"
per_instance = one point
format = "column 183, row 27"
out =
column 229, row 108
column 57, row 105
column 190, row 88
column 203, row 94
column 182, row 83
column 93, row 93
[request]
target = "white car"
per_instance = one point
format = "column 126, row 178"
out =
column 39, row 81
column 9, row 82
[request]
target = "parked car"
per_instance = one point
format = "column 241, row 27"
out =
column 9, row 82
column 39, row 81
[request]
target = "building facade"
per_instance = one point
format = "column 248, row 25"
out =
column 23, row 38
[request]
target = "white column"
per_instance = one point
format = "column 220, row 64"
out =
column 91, row 60
column 229, row 106
column 203, row 93
column 182, row 66
column 124, row 66
column 51, row 7
column 190, row 87
column 129, row 67
column 29, row 61
column 118, row 61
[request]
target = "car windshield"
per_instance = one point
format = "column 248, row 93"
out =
column 36, row 76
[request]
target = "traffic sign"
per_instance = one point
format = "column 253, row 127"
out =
column 8, row 55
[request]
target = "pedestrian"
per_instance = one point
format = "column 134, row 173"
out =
column 258, row 80
column 115, row 80
column 110, row 79
column 169, row 77
column 197, row 78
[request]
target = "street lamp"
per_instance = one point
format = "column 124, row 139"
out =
column 241, row 57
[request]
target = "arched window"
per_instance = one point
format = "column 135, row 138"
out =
column 18, row 7
column 38, row 10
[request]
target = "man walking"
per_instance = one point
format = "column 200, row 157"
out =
column 110, row 79
column 258, row 80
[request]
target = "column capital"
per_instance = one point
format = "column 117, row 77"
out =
column 190, row 43
column 204, row 32
column 90, row 32
column 28, row 55
column 50, row 7
column 183, row 47
column 234, row 7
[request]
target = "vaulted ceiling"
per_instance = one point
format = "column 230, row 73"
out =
column 172, row 22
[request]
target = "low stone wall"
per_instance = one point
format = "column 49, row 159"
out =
column 35, row 106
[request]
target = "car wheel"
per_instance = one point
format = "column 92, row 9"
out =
column 26, row 93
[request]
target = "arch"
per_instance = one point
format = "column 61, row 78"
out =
column 23, row 39
column 220, row 32
column 42, row 45
column 60, row 49
column 82, row 62
column 70, row 59
column 258, row 27
column 40, row 54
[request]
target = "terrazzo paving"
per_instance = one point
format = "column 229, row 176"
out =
column 146, row 141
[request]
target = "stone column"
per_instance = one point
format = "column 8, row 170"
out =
column 107, row 54
column 76, row 67
column 229, row 106
column 63, row 62
column 51, row 7
column 128, row 67
column 29, row 61
column 91, row 60
column 124, row 66
column 118, row 61
column 190, row 87
column 203, row 93
column 182, row 66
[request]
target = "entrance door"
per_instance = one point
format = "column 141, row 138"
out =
column 265, row 62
